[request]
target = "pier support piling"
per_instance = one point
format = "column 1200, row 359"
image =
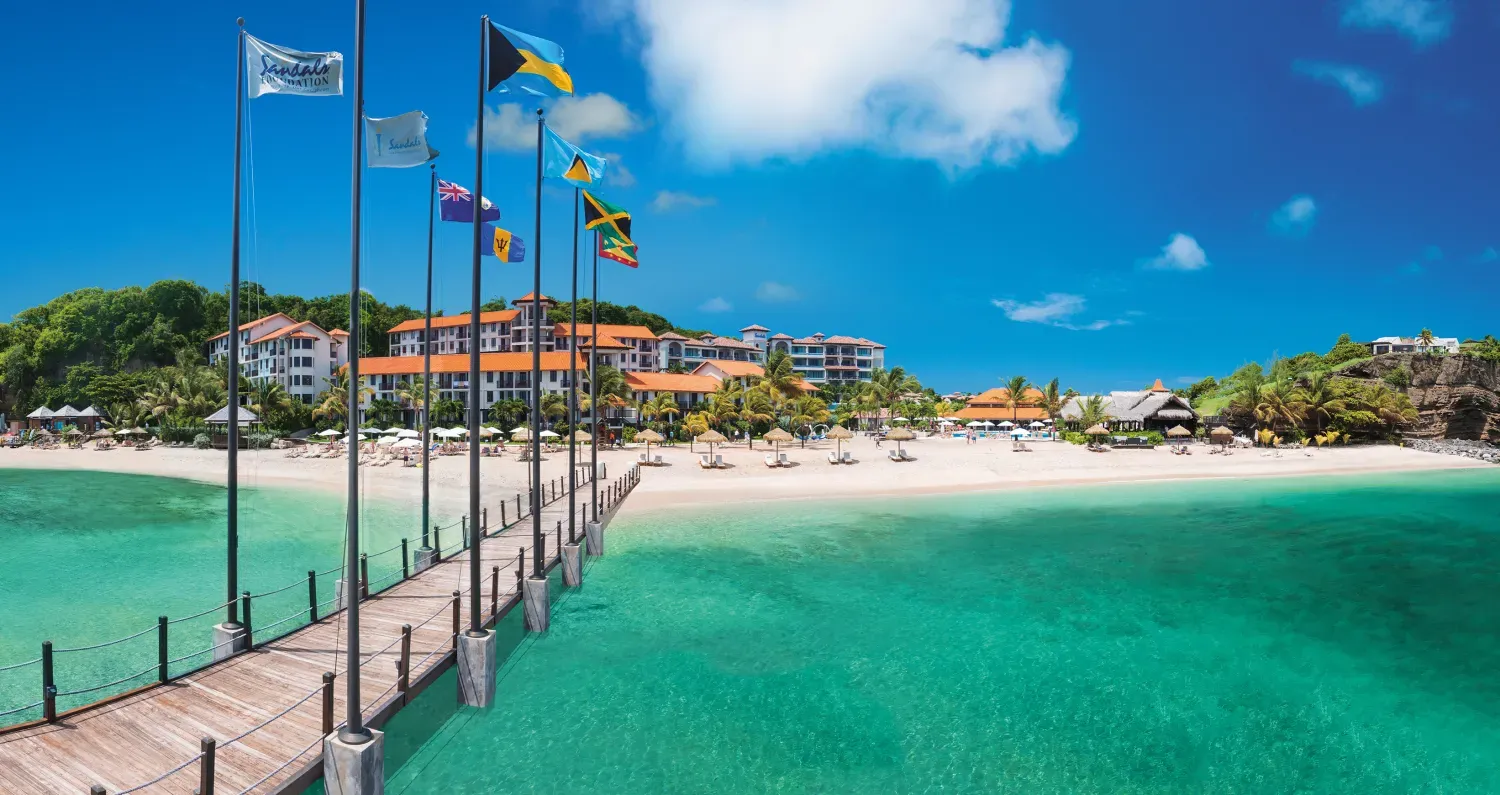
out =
column 354, row 769
column 572, row 565
column 538, row 606
column 593, row 533
column 424, row 559
column 229, row 640
column 477, row 660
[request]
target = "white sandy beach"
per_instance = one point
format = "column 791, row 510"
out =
column 941, row 466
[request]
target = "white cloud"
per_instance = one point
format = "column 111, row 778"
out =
column 668, row 200
column 715, row 304
column 1422, row 21
column 775, row 292
column 577, row 119
column 1363, row 86
column 934, row 80
column 616, row 175
column 1181, row 253
column 1489, row 255
column 1296, row 216
column 1055, row 309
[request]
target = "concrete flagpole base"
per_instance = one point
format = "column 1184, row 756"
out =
column 338, row 595
column 593, row 533
column 223, row 634
column 477, row 660
column 572, row 565
column 538, row 606
column 425, row 559
column 354, row 769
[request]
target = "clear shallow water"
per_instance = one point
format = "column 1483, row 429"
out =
column 1321, row 636
column 87, row 557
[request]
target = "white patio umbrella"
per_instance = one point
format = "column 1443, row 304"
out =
column 392, row 431
column 386, row 440
column 1007, row 424
column 408, row 434
column 329, row 432
column 460, row 431
column 520, row 429
column 989, row 424
column 1035, row 424
column 407, row 443
column 549, row 435
column 446, row 433
column 488, row 431
column 973, row 424
column 900, row 419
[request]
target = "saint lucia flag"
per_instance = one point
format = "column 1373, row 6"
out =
column 503, row 245
column 528, row 63
column 562, row 160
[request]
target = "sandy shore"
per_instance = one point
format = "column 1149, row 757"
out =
column 941, row 466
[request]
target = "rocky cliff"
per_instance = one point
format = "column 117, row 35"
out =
column 1458, row 396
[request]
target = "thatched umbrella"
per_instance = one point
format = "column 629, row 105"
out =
column 712, row 437
column 648, row 436
column 73, row 431
column 520, row 435
column 102, row 434
column 778, row 436
column 839, row 433
column 899, row 435
column 1097, row 430
column 1221, row 435
column 1179, row 431
column 579, row 436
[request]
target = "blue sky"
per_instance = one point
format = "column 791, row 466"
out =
column 1105, row 192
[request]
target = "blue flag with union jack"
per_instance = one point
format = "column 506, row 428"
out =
column 456, row 202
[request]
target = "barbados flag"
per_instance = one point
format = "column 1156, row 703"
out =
column 503, row 245
column 562, row 160
column 531, row 64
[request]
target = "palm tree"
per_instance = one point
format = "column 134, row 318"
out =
column 724, row 404
column 413, row 393
column 1277, row 404
column 1425, row 335
column 1016, row 394
column 694, row 425
column 1052, row 400
column 554, row 407
column 333, row 402
column 808, row 410
column 127, row 415
column 780, row 380
column 267, row 396
column 888, row 385
column 447, row 411
column 1318, row 399
column 758, row 407
column 665, row 405
column 507, row 412
column 1091, row 411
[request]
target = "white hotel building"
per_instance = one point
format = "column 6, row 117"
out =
column 299, row 356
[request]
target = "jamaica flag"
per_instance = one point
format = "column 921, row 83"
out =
column 610, row 221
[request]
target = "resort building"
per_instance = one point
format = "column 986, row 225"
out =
column 631, row 349
column 1414, row 345
column 520, row 330
column 994, row 406
column 687, row 389
column 87, row 420
column 451, row 334
column 825, row 360
column 299, row 356
column 744, row 372
column 679, row 351
column 1154, row 409
column 503, row 376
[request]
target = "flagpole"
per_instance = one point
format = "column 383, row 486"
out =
column 476, row 628
column 573, row 389
column 232, row 622
column 354, row 731
column 538, row 565
column 427, row 373
column 594, row 384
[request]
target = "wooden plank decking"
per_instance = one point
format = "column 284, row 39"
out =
column 126, row 743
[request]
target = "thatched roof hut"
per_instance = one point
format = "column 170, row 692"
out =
column 1178, row 431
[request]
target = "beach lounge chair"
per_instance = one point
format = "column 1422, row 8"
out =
column 704, row 462
column 642, row 459
column 783, row 462
column 833, row 458
column 718, row 461
column 848, row 457
column 658, row 461
column 895, row 456
column 771, row 461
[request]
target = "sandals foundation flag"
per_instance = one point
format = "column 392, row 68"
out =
column 562, row 160
column 525, row 62
column 503, row 245
column 607, row 219
column 278, row 70
column 397, row 142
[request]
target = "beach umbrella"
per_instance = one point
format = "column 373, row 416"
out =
column 583, row 436
column 73, row 432
column 488, row 431
column 1179, row 431
column 900, row 419
column 521, row 435
column 386, row 440
column 408, row 434
column 329, row 432
column 1035, row 424
column 711, row 438
column 102, row 434
column 1020, row 433
column 1221, row 431
column 1097, row 430
column 989, row 424
column 973, row 424
column 839, row 434
column 549, row 435
column 900, row 435
column 778, row 436
column 407, row 443
column 391, row 431
column 1007, row 424
column 520, row 428
column 459, row 431
column 648, row 436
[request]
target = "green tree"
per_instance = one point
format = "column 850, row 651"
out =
column 1345, row 350
column 508, row 413
column 1015, row 389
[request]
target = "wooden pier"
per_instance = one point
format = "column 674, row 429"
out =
column 267, row 710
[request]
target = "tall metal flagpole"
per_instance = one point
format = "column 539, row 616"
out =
column 476, row 628
column 594, row 384
column 538, row 566
column 354, row 731
column 427, row 372
column 573, row 389
column 233, row 620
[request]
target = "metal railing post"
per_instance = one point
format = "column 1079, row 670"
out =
column 206, row 767
column 502, row 514
column 484, row 525
column 312, row 597
column 519, row 515
column 495, row 591
column 327, row 703
column 245, row 608
column 405, row 561
column 456, row 625
column 161, row 649
column 559, row 536
column 49, row 685
column 465, row 536
column 437, row 542
column 364, row 576
column 404, row 683
column 520, row 568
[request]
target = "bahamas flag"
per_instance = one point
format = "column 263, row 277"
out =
column 528, row 63
column 610, row 221
column 505, row 246
column 562, row 160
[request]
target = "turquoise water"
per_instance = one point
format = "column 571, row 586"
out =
column 1326, row 635
column 87, row 557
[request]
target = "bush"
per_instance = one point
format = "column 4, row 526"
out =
column 1074, row 437
column 202, row 441
column 259, row 440
column 183, row 433
column 1154, row 437
column 629, row 434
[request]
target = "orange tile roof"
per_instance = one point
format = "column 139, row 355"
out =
column 285, row 330
column 449, row 321
column 604, row 342
column 338, row 332
column 672, row 382
column 512, row 362
column 529, row 297
column 732, row 368
column 612, row 329
column 247, row 326
column 999, row 396
column 1022, row 414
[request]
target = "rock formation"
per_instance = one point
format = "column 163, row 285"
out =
column 1458, row 396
